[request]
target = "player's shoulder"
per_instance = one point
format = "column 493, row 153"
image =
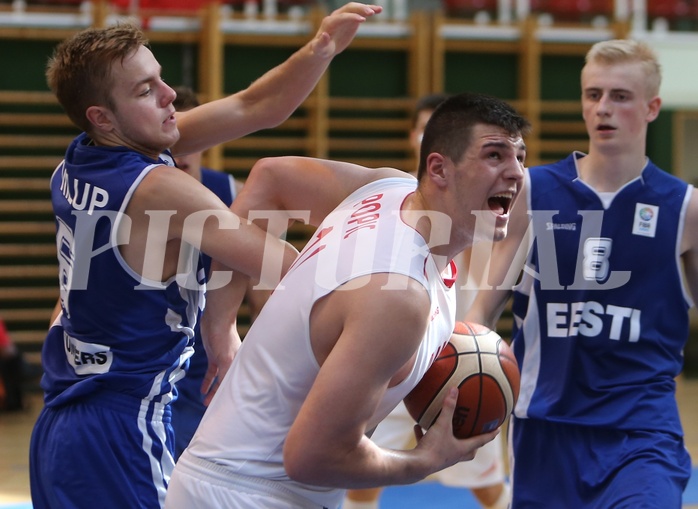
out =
column 390, row 288
column 668, row 190
column 655, row 173
column 168, row 186
column 395, row 298
column 389, row 178
column 377, row 185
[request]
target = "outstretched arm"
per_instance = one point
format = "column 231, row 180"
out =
column 272, row 98
column 301, row 188
column 187, row 211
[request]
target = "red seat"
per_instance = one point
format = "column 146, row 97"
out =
column 669, row 9
column 470, row 7
column 175, row 5
column 54, row 2
column 573, row 10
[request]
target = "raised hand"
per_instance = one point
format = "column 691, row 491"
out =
column 339, row 28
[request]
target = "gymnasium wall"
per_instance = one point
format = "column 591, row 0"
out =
column 374, row 73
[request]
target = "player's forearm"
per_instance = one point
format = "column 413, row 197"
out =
column 266, row 103
column 273, row 97
column 335, row 460
column 279, row 92
column 373, row 467
column 223, row 301
column 366, row 466
column 220, row 337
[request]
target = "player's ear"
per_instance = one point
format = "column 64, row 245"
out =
column 436, row 168
column 654, row 105
column 100, row 117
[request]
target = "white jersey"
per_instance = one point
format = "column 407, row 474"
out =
column 246, row 425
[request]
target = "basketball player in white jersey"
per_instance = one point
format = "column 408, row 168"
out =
column 127, row 227
column 356, row 321
column 484, row 475
column 610, row 243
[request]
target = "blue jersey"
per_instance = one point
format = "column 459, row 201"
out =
column 600, row 341
column 188, row 409
column 118, row 332
column 122, row 342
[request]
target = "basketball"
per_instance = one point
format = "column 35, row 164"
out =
column 483, row 367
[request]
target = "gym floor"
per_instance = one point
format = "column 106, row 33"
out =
column 15, row 430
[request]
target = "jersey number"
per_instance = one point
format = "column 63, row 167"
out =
column 596, row 253
column 66, row 258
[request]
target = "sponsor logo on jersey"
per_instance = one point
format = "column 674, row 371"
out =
column 561, row 226
column 87, row 358
column 645, row 220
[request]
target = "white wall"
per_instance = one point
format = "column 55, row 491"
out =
column 678, row 55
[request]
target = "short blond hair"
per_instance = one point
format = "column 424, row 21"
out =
column 79, row 72
column 617, row 51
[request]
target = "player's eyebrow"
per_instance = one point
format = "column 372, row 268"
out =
column 494, row 144
column 149, row 78
column 613, row 90
column 502, row 145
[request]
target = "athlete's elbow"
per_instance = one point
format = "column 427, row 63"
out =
column 301, row 467
column 268, row 170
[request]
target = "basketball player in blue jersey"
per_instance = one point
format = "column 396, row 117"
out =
column 128, row 227
column 601, row 311
column 355, row 322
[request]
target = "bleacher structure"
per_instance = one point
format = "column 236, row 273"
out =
column 370, row 130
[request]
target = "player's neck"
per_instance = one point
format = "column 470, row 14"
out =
column 428, row 221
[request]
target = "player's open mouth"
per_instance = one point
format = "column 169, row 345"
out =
column 171, row 118
column 500, row 203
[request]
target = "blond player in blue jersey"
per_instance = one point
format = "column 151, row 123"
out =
column 610, row 246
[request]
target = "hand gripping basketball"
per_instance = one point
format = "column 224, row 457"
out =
column 483, row 367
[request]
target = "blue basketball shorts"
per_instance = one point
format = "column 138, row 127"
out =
column 109, row 452
column 570, row 466
column 187, row 411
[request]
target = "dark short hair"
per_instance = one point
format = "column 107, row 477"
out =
column 449, row 129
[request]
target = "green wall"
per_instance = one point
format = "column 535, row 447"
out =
column 356, row 72
column 24, row 63
column 489, row 73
